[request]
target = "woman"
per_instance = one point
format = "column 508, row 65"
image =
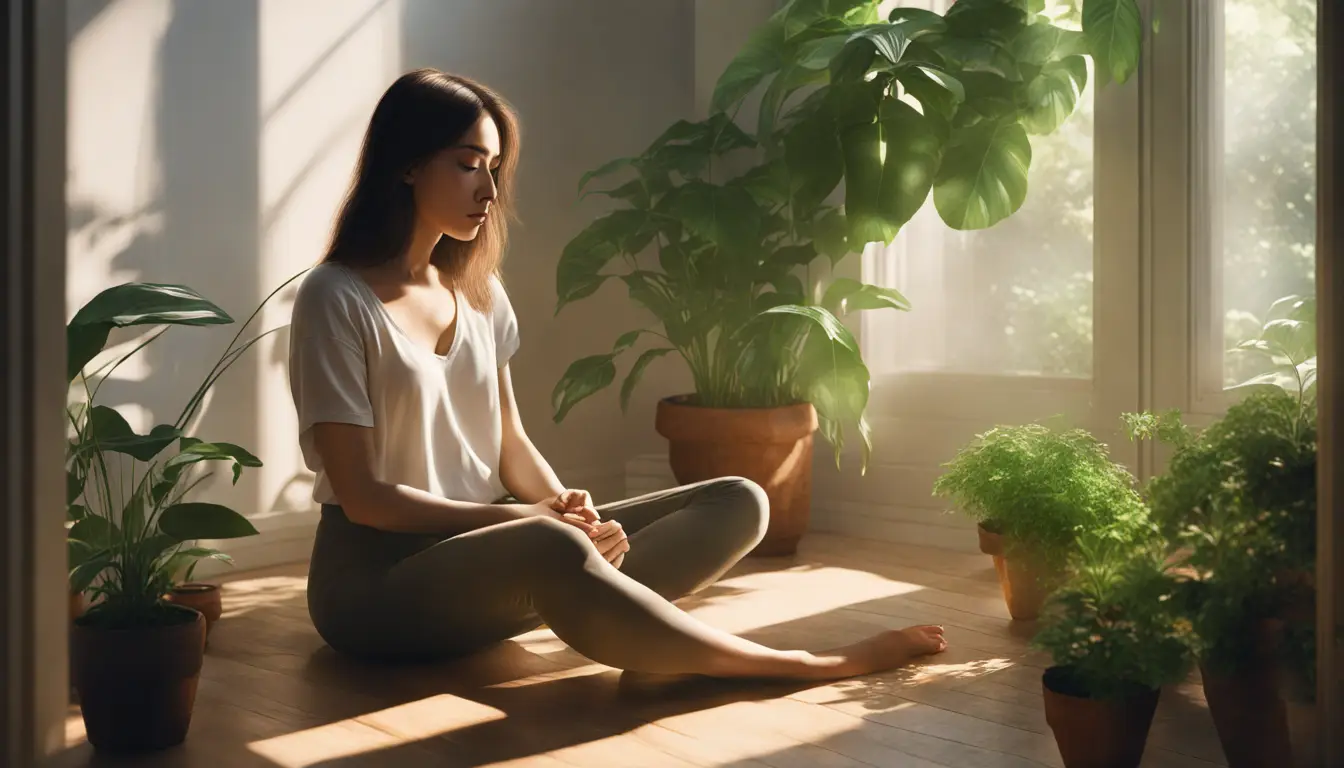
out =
column 399, row 367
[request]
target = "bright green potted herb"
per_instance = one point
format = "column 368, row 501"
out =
column 861, row 120
column 136, row 658
column 1032, row 491
column 1116, row 636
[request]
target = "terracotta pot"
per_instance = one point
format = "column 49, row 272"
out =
column 1247, row 708
column 772, row 446
column 201, row 597
column 1024, row 584
column 1096, row 733
column 137, row 687
column 1304, row 726
column 76, row 605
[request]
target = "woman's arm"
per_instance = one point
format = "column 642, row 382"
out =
column 525, row 472
column 347, row 456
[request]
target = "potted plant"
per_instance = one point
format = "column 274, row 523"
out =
column 1033, row 490
column 726, row 267
column 135, row 657
column 1116, row 637
column 1239, row 502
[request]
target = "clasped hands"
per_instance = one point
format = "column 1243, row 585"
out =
column 576, row 508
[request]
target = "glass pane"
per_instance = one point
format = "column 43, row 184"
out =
column 1016, row 298
column 1268, row 216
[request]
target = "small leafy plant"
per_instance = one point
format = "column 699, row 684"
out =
column 1239, row 502
column 1115, row 626
column 1042, row 488
column 131, row 528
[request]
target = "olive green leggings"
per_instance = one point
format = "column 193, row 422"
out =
column 385, row 595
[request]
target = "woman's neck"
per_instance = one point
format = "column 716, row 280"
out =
column 416, row 263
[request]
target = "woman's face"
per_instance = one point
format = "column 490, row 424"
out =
column 454, row 189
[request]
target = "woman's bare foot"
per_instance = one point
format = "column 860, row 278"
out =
column 883, row 651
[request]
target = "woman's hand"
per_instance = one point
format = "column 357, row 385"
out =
column 611, row 542
column 576, row 501
column 575, row 508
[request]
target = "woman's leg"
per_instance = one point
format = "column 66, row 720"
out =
column 462, row 593
column 684, row 539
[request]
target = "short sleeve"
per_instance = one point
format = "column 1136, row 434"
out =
column 328, row 374
column 506, row 325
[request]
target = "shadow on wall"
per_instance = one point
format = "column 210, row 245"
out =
column 198, row 221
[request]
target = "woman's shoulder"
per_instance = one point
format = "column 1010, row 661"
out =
column 326, row 283
column 327, row 290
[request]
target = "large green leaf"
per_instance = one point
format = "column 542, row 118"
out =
column 193, row 520
column 914, row 151
column 78, row 552
column 973, row 55
column 184, row 557
column 768, row 182
column 937, row 92
column 194, row 450
column 584, row 378
column 836, row 379
column 637, row 372
column 606, row 169
column 793, row 77
column 1041, row 44
column 83, row 575
column 578, row 273
column 985, row 19
column 917, row 22
column 831, row 234
column 131, row 304
column 1114, row 30
column 888, row 40
column 725, row 215
column 983, row 176
column 1293, row 339
column 814, row 160
column 760, row 57
column 107, row 431
column 97, row 532
column 1054, row 93
column 846, row 295
column 863, row 183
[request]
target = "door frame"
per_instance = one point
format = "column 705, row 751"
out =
column 33, row 604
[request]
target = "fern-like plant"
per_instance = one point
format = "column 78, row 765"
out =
column 1041, row 488
column 1115, row 628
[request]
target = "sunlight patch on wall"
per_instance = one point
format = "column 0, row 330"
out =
column 321, row 76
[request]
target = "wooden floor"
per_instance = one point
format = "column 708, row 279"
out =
column 272, row 694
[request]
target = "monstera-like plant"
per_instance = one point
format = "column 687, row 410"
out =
column 860, row 119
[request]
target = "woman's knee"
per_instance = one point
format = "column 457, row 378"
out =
column 745, row 507
column 551, row 542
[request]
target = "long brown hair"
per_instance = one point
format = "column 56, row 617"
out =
column 421, row 113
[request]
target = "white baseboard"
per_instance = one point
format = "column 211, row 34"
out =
column 276, row 544
column 837, row 512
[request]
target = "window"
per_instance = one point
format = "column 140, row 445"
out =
column 1013, row 299
column 1261, row 177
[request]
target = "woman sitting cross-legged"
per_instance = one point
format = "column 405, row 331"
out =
column 399, row 369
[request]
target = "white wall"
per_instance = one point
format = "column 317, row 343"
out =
column 210, row 144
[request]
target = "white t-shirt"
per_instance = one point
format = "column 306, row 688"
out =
column 435, row 418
